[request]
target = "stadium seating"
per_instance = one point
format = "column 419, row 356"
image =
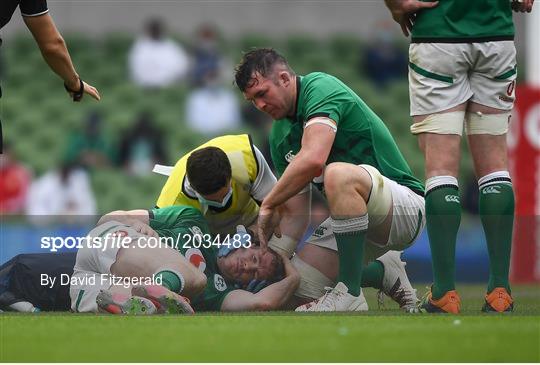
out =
column 38, row 116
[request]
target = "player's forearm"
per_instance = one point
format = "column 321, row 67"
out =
column 53, row 48
column 275, row 296
column 297, row 175
column 57, row 57
column 126, row 216
column 296, row 215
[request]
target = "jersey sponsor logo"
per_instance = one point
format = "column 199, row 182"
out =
column 219, row 282
column 494, row 189
column 289, row 156
column 452, row 199
column 196, row 258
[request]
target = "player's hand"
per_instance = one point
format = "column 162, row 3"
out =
column 289, row 268
column 404, row 12
column 142, row 228
column 75, row 93
column 522, row 6
column 267, row 224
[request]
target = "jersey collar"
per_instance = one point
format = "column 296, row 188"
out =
column 298, row 90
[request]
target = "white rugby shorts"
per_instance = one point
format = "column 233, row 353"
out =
column 91, row 263
column 444, row 75
column 408, row 221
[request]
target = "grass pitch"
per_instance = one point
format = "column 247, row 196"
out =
column 380, row 335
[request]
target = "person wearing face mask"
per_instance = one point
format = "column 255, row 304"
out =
column 226, row 179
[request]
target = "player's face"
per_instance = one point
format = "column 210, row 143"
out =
column 246, row 264
column 218, row 199
column 273, row 95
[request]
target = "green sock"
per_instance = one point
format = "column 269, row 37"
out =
column 350, row 235
column 443, row 216
column 171, row 280
column 372, row 275
column 496, row 206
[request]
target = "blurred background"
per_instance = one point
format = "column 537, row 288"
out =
column 164, row 70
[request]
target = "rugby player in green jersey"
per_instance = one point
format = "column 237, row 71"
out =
column 325, row 134
column 462, row 72
column 188, row 265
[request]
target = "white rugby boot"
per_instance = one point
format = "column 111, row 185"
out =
column 336, row 299
column 396, row 284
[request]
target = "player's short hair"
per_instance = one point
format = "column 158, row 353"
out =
column 208, row 170
column 258, row 60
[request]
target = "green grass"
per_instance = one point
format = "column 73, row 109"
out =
column 377, row 336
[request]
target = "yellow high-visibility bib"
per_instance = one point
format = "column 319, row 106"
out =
column 243, row 208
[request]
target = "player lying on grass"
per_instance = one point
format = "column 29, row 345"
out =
column 196, row 269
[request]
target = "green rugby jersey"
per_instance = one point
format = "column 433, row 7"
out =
column 182, row 223
column 361, row 137
column 464, row 21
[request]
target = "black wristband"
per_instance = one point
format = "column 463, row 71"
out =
column 77, row 95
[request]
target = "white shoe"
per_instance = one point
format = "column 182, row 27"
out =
column 396, row 284
column 336, row 299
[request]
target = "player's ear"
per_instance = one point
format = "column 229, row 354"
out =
column 285, row 78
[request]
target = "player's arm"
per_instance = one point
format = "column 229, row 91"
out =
column 54, row 51
column 273, row 297
column 319, row 135
column 403, row 11
column 296, row 212
column 138, row 219
column 295, row 218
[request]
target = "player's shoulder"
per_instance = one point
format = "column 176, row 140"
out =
column 322, row 87
column 319, row 79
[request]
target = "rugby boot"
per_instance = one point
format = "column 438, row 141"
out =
column 336, row 299
column 119, row 303
column 166, row 301
column 449, row 303
column 498, row 301
column 396, row 284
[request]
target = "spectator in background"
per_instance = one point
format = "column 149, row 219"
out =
column 156, row 61
column 141, row 147
column 206, row 54
column 14, row 182
column 60, row 192
column 383, row 60
column 89, row 148
column 212, row 109
column 260, row 123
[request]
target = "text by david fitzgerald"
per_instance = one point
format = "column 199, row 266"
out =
column 100, row 280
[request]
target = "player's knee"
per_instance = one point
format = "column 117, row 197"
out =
column 337, row 178
column 130, row 261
